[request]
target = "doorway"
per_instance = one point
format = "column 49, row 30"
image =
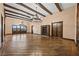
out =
column 45, row 30
column 57, row 29
column 32, row 29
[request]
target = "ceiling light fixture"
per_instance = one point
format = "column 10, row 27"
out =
column 36, row 17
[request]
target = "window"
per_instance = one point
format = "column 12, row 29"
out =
column 19, row 28
column 14, row 27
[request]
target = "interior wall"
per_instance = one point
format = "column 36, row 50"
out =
column 36, row 27
column 68, row 18
column 75, row 22
column 10, row 21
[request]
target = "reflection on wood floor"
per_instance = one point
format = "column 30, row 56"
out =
column 37, row 45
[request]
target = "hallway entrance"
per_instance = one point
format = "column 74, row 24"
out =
column 45, row 30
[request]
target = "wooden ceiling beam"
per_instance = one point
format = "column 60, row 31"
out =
column 17, row 17
column 25, row 6
column 44, row 8
column 18, row 9
column 16, row 13
column 58, row 6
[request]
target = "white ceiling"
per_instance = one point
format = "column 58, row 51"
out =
column 50, row 6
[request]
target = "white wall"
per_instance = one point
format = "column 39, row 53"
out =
column 69, row 24
column 36, row 27
column 12, row 21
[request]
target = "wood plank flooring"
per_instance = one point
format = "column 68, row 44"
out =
column 37, row 45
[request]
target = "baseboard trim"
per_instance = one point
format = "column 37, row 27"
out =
column 40, row 34
column 28, row 33
column 68, row 39
column 36, row 34
column 9, row 34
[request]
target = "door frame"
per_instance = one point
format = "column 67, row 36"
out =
column 48, row 29
column 77, row 15
column 52, row 28
column 2, row 29
column 32, row 29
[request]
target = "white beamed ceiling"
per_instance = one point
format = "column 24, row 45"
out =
column 50, row 6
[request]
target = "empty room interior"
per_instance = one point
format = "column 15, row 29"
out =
column 39, row 29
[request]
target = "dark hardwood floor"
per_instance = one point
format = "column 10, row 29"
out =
column 37, row 45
